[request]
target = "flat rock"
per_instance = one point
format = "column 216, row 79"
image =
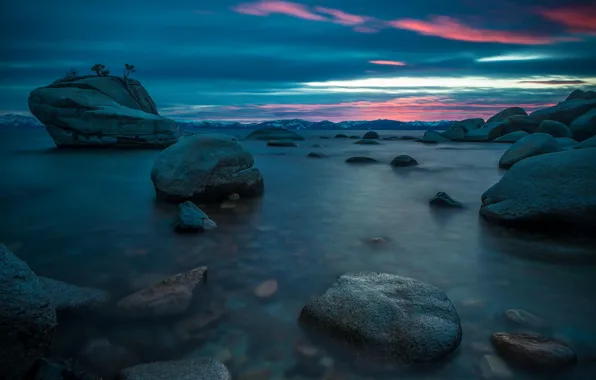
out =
column 507, row 113
column 71, row 298
column 170, row 296
column 367, row 142
column 27, row 318
column 554, row 128
column 361, row 160
column 188, row 369
column 403, row 161
column 529, row 146
column 267, row 134
column 444, row 200
column 282, row 143
column 206, row 167
column 511, row 137
column 434, row 137
column 551, row 190
column 371, row 135
column 533, row 352
column 584, row 126
column 191, row 218
column 391, row 316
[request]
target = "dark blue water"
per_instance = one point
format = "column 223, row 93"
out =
column 89, row 217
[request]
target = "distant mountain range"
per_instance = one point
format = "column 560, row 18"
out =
column 23, row 121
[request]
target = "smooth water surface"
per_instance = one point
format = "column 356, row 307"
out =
column 90, row 217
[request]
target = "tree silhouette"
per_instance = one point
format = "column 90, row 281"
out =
column 104, row 73
column 128, row 69
column 98, row 68
column 72, row 74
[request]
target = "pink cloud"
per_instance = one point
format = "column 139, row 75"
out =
column 452, row 29
column 389, row 63
column 265, row 8
column 576, row 19
column 341, row 17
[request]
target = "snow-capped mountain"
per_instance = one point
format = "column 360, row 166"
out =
column 20, row 121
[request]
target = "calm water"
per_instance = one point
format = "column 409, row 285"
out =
column 90, row 218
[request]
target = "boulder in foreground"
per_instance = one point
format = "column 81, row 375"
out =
column 27, row 318
column 554, row 128
column 101, row 111
column 267, row 134
column 533, row 352
column 206, row 167
column 190, row 218
column 554, row 190
column 376, row 312
column 188, row 369
column 531, row 145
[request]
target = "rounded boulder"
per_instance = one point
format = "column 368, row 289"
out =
column 529, row 146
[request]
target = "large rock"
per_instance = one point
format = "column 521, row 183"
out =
column 584, row 126
column 579, row 94
column 267, row 134
column 488, row 132
column 554, row 128
column 393, row 317
column 188, row 369
column 531, row 145
column 101, row 111
column 206, row 167
column 565, row 112
column 589, row 143
column 533, row 352
column 518, row 123
column 403, row 160
column 552, row 190
column 433, row 137
column 71, row 298
column 171, row 296
column 27, row 318
column 469, row 124
column 455, row 134
column 566, row 142
column 371, row 135
column 511, row 137
column 507, row 113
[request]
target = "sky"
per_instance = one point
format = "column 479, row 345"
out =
column 332, row 60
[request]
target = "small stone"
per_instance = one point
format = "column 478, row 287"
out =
column 266, row 289
column 282, row 143
column 367, row 142
column 377, row 241
column 444, row 200
column 317, row 146
column 494, row 367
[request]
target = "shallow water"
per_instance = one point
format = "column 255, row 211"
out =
column 89, row 217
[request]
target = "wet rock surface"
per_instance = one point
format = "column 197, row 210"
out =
column 529, row 146
column 533, row 352
column 190, row 218
column 443, row 200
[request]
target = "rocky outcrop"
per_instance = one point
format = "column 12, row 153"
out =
column 71, row 298
column 584, row 126
column 468, row 125
column 267, row 134
column 580, row 94
column 533, row 352
column 190, row 218
column 206, row 167
column 171, row 296
column 203, row 368
column 488, row 132
column 27, row 318
column 532, row 145
column 554, row 128
column 375, row 312
column 507, row 113
column 403, row 160
column 565, row 112
column 101, row 111
column 371, row 135
column 550, row 191
column 511, row 137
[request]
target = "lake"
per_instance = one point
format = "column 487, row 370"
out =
column 89, row 217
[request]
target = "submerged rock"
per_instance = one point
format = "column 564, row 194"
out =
column 191, row 218
column 507, row 113
column 533, row 352
column 341, row 136
column 403, row 161
column 282, row 143
column 354, row 137
column 584, row 126
column 71, row 298
column 316, row 155
column 511, row 137
column 374, row 311
column 554, row 128
column 188, row 369
column 206, row 167
column 444, row 200
column 361, row 160
column 552, row 190
column 101, row 111
column 171, row 296
column 267, row 134
column 371, row 135
column 434, row 137
column 523, row 318
column 529, row 146
column 367, row 142
column 27, row 318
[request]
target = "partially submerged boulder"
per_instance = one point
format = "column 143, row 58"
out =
column 443, row 200
column 187, row 369
column 367, row 142
column 361, row 160
column 511, row 137
column 101, row 111
column 518, row 123
column 371, row 135
column 391, row 316
column 190, row 218
column 206, row 167
column 454, row 134
column 554, row 128
column 554, row 190
column 267, row 134
column 71, row 298
column 507, row 113
column 282, row 143
column 27, row 318
column 531, row 145
column 584, row 127
column 403, row 160
column 170, row 296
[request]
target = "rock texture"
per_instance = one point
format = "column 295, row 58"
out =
column 189, row 369
column 27, row 318
column 191, row 218
column 267, row 134
column 101, row 111
column 171, row 296
column 394, row 317
column 511, row 137
column 554, row 128
column 553, row 190
column 71, row 298
column 507, row 113
column 206, row 167
column 532, row 145
column 533, row 352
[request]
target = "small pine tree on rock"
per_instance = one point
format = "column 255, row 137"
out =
column 98, row 69
column 104, row 73
column 128, row 69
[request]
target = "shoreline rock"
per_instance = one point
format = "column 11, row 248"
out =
column 190, row 218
